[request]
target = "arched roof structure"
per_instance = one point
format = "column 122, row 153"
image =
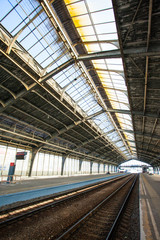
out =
column 81, row 77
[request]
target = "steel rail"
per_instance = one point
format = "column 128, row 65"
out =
column 86, row 189
column 121, row 211
column 86, row 216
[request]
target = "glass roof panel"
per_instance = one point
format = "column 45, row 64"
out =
column 82, row 21
column 111, row 36
column 110, row 71
column 71, row 1
column 107, row 46
column 77, row 8
column 94, row 21
column 117, row 67
column 7, row 7
column 89, row 38
column 92, row 47
column 106, row 28
column 99, row 5
column 103, row 16
column 85, row 31
column 6, row 22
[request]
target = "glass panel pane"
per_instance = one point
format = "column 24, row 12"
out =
column 98, row 5
column 103, row 16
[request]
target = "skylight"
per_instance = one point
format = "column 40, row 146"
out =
column 96, row 25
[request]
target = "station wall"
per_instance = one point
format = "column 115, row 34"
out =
column 47, row 164
column 7, row 155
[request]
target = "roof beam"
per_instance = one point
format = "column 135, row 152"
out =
column 71, row 126
column 36, row 82
column 20, row 31
column 95, row 114
column 21, row 141
column 14, row 76
column 113, row 41
column 44, row 112
column 25, row 124
column 56, row 70
column 35, row 118
column 132, row 22
column 121, row 73
column 144, row 143
column 137, row 113
column 147, row 65
column 154, row 126
column 140, row 133
column 92, row 140
column 100, row 55
column 12, row 93
column 129, row 52
column 150, row 153
column 57, row 24
column 54, row 146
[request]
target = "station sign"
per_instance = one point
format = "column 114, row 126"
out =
column 21, row 155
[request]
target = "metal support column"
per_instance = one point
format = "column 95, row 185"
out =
column 80, row 165
column 33, row 155
column 91, row 164
column 104, row 167
column 63, row 162
column 98, row 167
column 108, row 168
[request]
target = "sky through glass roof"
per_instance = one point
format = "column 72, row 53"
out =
column 96, row 26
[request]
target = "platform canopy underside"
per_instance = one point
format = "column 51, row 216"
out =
column 81, row 78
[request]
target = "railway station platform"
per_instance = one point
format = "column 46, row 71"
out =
column 150, row 206
column 36, row 187
column 33, row 188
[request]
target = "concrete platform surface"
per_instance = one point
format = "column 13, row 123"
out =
column 150, row 206
column 35, row 188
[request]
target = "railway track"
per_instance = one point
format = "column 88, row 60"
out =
column 65, row 216
column 21, row 212
column 102, row 221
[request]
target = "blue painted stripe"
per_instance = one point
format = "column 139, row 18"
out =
column 31, row 194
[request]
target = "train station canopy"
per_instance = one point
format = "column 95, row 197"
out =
column 81, row 78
